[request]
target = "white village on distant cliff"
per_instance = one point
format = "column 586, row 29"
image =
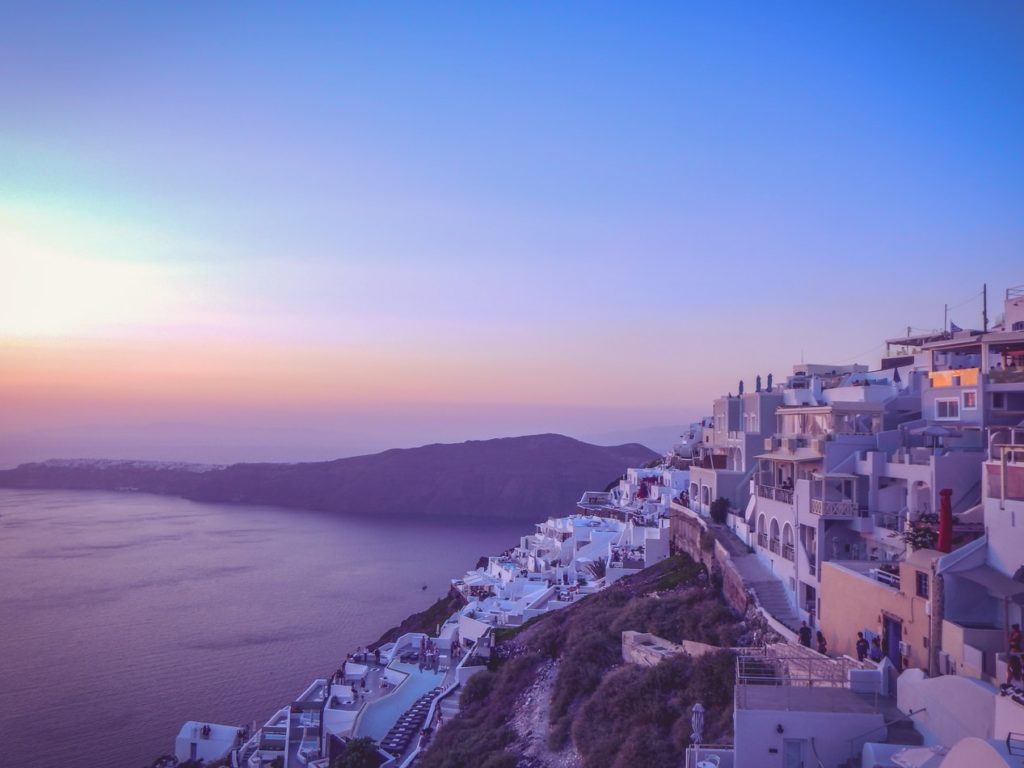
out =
column 837, row 504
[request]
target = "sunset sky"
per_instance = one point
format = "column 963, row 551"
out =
column 284, row 231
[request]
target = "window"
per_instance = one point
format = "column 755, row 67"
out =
column 947, row 409
column 922, row 584
column 999, row 400
column 970, row 398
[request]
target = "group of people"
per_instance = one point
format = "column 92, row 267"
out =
column 866, row 650
column 805, row 639
column 430, row 655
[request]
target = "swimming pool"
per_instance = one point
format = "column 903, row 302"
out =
column 380, row 715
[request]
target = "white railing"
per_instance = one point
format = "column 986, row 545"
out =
column 838, row 508
column 785, row 495
column 892, row 579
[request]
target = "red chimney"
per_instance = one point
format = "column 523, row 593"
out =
column 945, row 521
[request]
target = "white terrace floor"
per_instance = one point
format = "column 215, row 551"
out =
column 383, row 712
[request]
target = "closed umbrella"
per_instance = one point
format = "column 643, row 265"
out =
column 697, row 724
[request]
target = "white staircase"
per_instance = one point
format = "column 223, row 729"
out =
column 774, row 598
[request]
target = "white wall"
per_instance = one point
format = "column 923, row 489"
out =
column 471, row 629
column 1005, row 535
column 949, row 708
column 757, row 734
column 1009, row 718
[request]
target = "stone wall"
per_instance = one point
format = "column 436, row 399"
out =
column 692, row 535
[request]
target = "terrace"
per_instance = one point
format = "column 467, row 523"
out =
column 785, row 677
column 304, row 718
column 1005, row 465
column 883, row 573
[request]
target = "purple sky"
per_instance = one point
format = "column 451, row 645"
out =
column 298, row 232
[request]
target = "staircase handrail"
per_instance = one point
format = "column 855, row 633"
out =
column 885, row 724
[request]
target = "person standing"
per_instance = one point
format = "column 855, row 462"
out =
column 805, row 634
column 1013, row 676
column 876, row 650
column 862, row 647
column 1015, row 639
column 822, row 645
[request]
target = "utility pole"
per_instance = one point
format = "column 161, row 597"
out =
column 945, row 318
column 984, row 307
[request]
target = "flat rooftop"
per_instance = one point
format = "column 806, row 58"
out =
column 804, row 699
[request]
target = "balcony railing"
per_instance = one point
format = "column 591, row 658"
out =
column 762, row 540
column 787, row 552
column 836, row 508
column 893, row 521
column 885, row 577
column 812, row 564
column 775, row 546
column 785, row 495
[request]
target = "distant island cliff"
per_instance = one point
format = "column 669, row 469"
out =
column 514, row 478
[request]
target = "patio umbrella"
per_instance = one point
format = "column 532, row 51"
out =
column 697, row 723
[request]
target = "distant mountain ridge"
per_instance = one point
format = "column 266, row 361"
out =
column 512, row 478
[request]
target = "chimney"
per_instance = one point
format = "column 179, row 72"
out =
column 945, row 521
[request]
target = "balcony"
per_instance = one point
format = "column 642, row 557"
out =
column 777, row 493
column 833, row 508
column 762, row 540
column 886, row 575
column 775, row 546
column 788, row 552
column 893, row 521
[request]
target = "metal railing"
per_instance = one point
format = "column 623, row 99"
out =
column 762, row 540
column 774, row 546
column 790, row 671
column 788, row 552
column 893, row 521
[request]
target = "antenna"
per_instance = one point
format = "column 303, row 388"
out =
column 984, row 307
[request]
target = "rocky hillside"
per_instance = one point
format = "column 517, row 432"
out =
column 560, row 696
column 521, row 478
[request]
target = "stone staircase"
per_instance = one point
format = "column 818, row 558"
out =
column 773, row 597
column 769, row 589
column 903, row 732
column 451, row 704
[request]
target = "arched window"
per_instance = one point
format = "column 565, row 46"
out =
column 762, row 531
column 773, row 538
column 788, row 551
column 705, row 495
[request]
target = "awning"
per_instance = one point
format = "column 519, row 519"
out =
column 995, row 582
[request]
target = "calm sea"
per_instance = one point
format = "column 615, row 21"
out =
column 123, row 615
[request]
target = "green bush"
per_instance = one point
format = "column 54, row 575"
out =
column 359, row 753
column 719, row 509
column 478, row 687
